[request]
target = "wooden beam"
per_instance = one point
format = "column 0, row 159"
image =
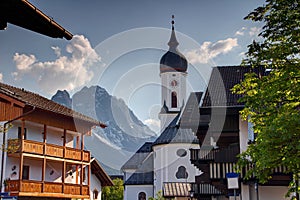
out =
column 63, row 175
column 89, row 175
column 21, row 160
column 81, row 178
column 12, row 100
column 22, row 129
column 65, row 138
column 43, row 173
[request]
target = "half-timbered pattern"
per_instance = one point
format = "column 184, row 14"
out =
column 43, row 152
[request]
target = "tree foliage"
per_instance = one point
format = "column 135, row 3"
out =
column 114, row 192
column 272, row 102
column 158, row 196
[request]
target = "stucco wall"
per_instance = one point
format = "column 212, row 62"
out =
column 131, row 191
column 167, row 163
column 95, row 184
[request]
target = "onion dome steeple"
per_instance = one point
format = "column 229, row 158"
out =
column 173, row 60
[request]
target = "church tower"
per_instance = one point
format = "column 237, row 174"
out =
column 173, row 73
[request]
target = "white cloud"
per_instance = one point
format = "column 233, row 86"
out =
column 1, row 77
column 209, row 50
column 241, row 32
column 154, row 124
column 254, row 31
column 66, row 72
column 57, row 51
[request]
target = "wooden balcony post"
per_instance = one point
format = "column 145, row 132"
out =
column 81, row 179
column 65, row 138
column 43, row 173
column 82, row 146
column 22, row 129
column 63, row 175
column 45, row 138
column 89, row 175
column 21, row 169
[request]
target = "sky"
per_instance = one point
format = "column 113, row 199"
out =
column 118, row 44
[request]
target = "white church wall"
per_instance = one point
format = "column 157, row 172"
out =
column 95, row 185
column 131, row 192
column 167, row 164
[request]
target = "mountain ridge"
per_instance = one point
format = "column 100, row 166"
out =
column 124, row 133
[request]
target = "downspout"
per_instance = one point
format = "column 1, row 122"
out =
column 3, row 144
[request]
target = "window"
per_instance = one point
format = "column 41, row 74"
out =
column 181, row 173
column 19, row 133
column 174, row 100
column 181, row 152
column 142, row 196
column 25, row 175
column 95, row 194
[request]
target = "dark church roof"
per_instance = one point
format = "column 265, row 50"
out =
column 173, row 60
column 221, row 82
column 142, row 162
column 135, row 161
column 175, row 132
column 140, row 179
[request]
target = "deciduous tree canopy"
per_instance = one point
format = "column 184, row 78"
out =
column 272, row 102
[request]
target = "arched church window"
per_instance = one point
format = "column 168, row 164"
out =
column 174, row 100
column 142, row 196
column 182, row 173
column 95, row 194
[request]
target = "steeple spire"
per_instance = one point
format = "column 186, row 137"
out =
column 173, row 43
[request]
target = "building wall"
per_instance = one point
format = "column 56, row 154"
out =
column 95, row 184
column 131, row 192
column 167, row 163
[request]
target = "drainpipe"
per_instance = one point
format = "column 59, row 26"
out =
column 3, row 144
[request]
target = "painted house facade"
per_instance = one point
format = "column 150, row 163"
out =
column 222, row 136
column 43, row 154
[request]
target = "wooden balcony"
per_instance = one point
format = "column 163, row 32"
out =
column 224, row 155
column 16, row 146
column 46, row 189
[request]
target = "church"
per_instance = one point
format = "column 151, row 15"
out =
column 164, row 165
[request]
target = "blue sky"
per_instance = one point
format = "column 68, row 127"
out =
column 118, row 45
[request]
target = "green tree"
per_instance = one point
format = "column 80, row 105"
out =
column 159, row 196
column 272, row 102
column 114, row 192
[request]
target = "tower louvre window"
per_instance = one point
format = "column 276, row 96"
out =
column 174, row 100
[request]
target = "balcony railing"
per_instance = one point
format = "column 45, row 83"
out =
column 30, row 186
column 39, row 148
column 224, row 155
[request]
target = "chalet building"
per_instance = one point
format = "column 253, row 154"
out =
column 222, row 135
column 43, row 154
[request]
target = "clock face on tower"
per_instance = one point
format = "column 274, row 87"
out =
column 174, row 83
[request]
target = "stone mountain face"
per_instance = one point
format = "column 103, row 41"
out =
column 124, row 133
